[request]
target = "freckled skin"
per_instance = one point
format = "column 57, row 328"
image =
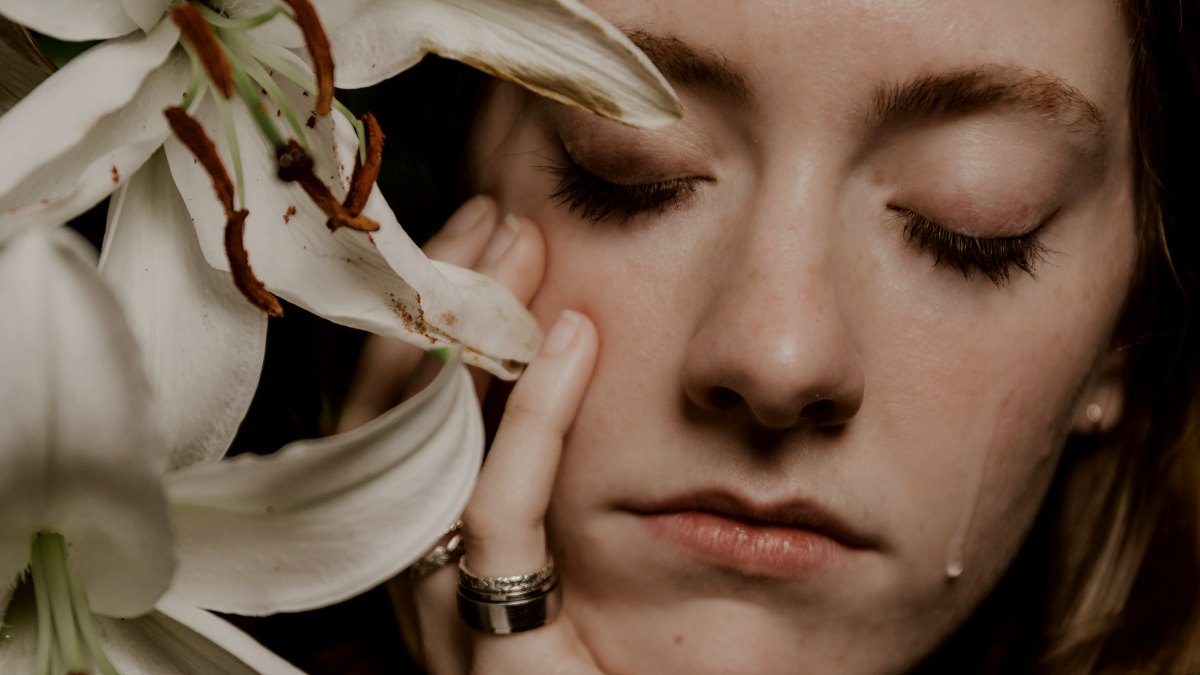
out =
column 784, row 280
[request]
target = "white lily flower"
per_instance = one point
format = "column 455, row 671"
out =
column 82, row 135
column 107, row 557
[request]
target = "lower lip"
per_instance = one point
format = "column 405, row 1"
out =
column 751, row 548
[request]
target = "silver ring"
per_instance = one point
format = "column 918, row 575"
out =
column 441, row 555
column 511, row 604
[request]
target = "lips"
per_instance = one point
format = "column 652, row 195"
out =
column 791, row 540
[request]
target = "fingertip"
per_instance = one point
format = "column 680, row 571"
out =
column 462, row 239
column 518, row 257
column 474, row 212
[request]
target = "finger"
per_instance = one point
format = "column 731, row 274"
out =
column 515, row 258
column 503, row 523
column 386, row 364
column 519, row 267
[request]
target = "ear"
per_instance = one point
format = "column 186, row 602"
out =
column 1102, row 402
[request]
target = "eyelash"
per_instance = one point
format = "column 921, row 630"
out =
column 596, row 199
column 994, row 257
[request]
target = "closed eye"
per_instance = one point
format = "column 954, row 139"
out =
column 595, row 199
column 993, row 257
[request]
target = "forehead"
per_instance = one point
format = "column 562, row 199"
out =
column 831, row 56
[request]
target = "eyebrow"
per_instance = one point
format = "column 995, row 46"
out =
column 691, row 67
column 983, row 88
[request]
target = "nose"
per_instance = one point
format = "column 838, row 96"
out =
column 773, row 344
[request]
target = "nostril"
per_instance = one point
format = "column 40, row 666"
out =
column 723, row 398
column 820, row 412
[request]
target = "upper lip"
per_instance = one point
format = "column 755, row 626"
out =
column 797, row 513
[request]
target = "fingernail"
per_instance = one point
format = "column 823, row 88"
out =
column 501, row 239
column 562, row 334
column 477, row 211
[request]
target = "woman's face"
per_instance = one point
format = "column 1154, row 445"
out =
column 849, row 309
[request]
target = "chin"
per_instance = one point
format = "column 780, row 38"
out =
column 721, row 637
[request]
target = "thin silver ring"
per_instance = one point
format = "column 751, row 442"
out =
column 441, row 555
column 505, row 586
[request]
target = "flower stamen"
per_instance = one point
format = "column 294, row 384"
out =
column 365, row 173
column 192, row 135
column 294, row 165
column 239, row 266
column 206, row 46
column 319, row 49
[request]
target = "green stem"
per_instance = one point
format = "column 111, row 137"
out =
column 87, row 626
column 189, row 96
column 256, row 72
column 221, row 21
column 248, row 90
column 41, row 594
column 54, row 562
column 235, row 150
column 309, row 84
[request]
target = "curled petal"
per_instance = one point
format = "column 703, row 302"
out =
column 97, row 140
column 202, row 342
column 321, row 521
column 73, row 20
column 79, row 450
column 557, row 48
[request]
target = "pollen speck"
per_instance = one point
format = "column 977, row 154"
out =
column 287, row 215
column 116, row 175
column 449, row 319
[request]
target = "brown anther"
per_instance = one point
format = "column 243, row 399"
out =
column 192, row 135
column 294, row 165
column 364, row 176
column 318, row 48
column 239, row 266
column 206, row 46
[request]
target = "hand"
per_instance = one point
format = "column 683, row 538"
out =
column 503, row 523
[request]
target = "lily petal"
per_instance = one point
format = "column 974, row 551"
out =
column 393, row 290
column 77, row 446
column 145, row 13
column 321, row 521
column 175, row 640
column 91, row 143
column 557, row 48
column 73, row 20
column 203, row 343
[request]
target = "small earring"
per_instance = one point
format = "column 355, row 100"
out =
column 1094, row 412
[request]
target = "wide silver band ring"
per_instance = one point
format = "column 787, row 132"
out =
column 504, row 605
